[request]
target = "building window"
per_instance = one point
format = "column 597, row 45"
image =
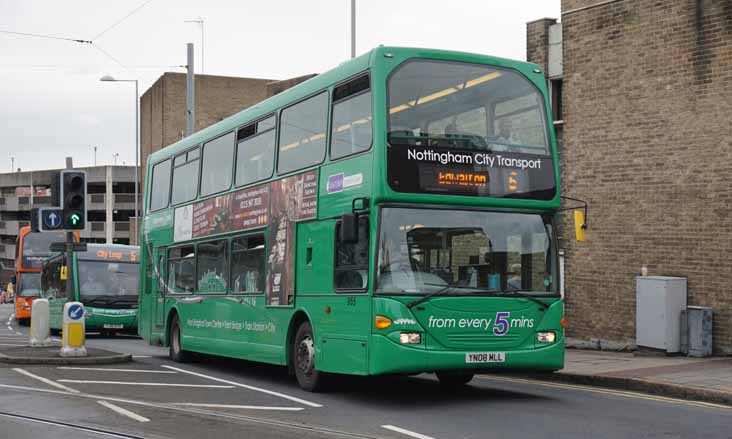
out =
column 217, row 165
column 302, row 134
column 255, row 151
column 185, row 177
column 351, row 127
column 247, row 264
column 556, row 99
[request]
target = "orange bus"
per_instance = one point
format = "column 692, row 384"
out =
column 30, row 251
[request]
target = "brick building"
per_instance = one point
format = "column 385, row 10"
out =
column 646, row 91
column 163, row 105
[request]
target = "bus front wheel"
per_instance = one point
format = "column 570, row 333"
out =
column 176, row 352
column 303, row 359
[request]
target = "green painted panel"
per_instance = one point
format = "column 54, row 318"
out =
column 314, row 262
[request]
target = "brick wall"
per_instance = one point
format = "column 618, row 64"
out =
column 537, row 41
column 648, row 143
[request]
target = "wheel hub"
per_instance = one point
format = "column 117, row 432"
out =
column 305, row 355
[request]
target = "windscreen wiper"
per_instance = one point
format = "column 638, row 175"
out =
column 444, row 290
column 526, row 296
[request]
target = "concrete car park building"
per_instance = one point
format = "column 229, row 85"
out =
column 645, row 91
column 110, row 204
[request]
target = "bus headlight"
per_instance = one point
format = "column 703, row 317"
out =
column 546, row 337
column 410, row 338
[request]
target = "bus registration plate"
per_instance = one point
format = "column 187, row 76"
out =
column 112, row 326
column 485, row 357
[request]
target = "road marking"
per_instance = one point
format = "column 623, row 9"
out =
column 198, row 411
column 125, row 383
column 7, row 344
column 245, row 386
column 229, row 406
column 115, row 370
column 45, row 380
column 141, row 356
column 123, row 412
column 623, row 393
column 71, row 426
column 406, row 432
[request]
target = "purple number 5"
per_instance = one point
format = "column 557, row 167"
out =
column 500, row 327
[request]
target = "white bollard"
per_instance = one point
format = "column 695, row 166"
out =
column 39, row 326
column 74, row 330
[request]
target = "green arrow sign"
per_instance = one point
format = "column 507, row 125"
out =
column 75, row 219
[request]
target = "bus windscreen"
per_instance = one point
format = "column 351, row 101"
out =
column 104, row 278
column 36, row 248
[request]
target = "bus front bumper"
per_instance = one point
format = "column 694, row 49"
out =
column 100, row 321
column 386, row 357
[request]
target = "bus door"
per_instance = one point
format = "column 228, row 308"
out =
column 53, row 286
column 158, row 287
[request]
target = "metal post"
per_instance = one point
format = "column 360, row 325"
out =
column 137, row 153
column 69, row 264
column 353, row 28
column 190, row 94
column 95, row 156
column 12, row 164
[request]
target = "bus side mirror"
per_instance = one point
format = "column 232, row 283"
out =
column 349, row 228
column 579, row 225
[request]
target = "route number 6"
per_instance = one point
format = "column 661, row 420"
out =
column 500, row 325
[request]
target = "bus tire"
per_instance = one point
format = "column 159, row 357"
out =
column 175, row 351
column 303, row 359
column 454, row 380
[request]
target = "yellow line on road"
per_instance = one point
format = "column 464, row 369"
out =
column 624, row 393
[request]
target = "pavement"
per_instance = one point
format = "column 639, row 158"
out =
column 698, row 379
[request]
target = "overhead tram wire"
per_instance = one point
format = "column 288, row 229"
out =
column 116, row 23
column 50, row 37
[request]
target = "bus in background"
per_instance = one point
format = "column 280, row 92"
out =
column 105, row 280
column 30, row 251
column 396, row 214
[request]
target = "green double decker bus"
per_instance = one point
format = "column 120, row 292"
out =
column 105, row 279
column 396, row 214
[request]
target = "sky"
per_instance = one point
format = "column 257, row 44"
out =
column 52, row 104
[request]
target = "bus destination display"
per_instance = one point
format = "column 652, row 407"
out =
column 418, row 169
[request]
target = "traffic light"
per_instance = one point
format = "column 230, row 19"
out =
column 73, row 199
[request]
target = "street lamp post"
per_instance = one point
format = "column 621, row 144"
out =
column 108, row 78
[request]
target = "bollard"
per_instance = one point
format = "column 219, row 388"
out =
column 73, row 331
column 39, row 326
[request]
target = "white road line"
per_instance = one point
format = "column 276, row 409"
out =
column 245, row 386
column 229, row 406
column 45, row 380
column 115, row 370
column 141, row 356
column 126, row 383
column 14, row 344
column 123, row 412
column 406, row 432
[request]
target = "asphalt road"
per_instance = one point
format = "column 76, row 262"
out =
column 154, row 397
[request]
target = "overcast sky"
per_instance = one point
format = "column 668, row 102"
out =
column 52, row 104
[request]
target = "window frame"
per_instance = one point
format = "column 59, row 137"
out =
column 327, row 91
column 231, row 261
column 172, row 175
column 333, row 103
column 274, row 114
column 168, row 260
column 336, row 241
column 201, row 157
column 227, row 265
column 170, row 185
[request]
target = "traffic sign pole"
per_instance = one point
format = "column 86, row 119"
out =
column 69, row 263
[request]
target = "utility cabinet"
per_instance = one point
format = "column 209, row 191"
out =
column 696, row 331
column 659, row 303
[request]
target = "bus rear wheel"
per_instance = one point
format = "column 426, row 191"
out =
column 303, row 359
column 453, row 380
column 176, row 352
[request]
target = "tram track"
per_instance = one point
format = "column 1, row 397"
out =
column 78, row 427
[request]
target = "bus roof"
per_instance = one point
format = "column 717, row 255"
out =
column 317, row 83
